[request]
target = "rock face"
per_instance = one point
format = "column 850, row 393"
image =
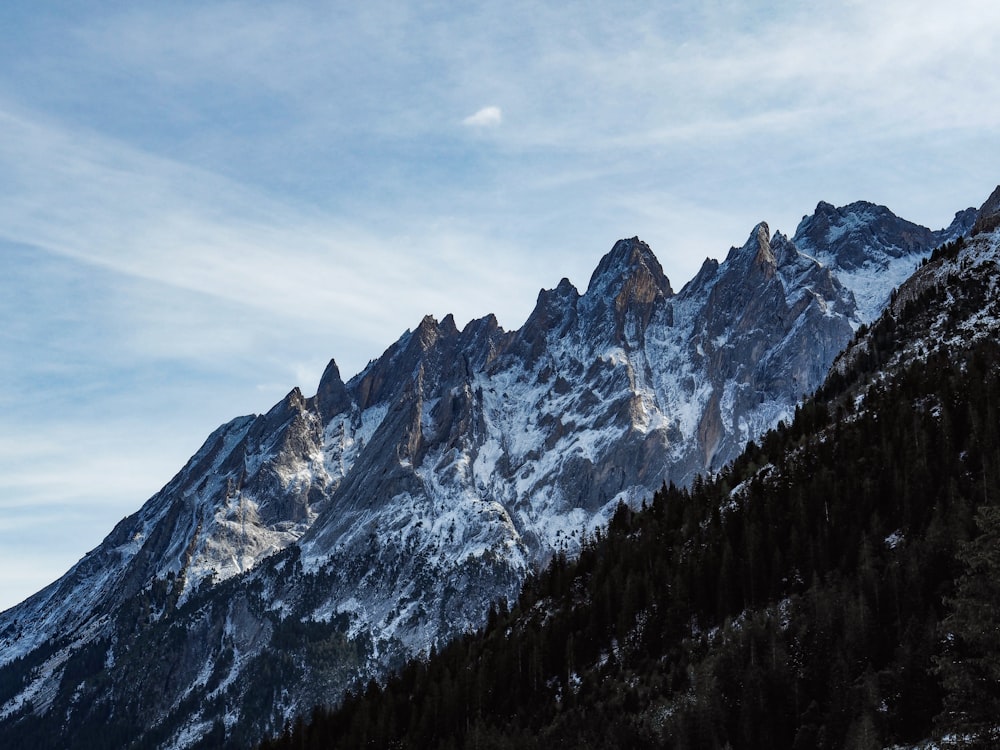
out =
column 868, row 247
column 988, row 218
column 306, row 550
column 947, row 305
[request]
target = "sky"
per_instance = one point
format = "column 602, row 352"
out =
column 202, row 203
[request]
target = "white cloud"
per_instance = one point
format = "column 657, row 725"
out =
column 485, row 118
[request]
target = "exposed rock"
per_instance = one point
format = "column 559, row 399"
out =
column 332, row 397
column 988, row 217
column 407, row 499
column 869, row 249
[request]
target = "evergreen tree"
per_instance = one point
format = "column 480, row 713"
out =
column 970, row 665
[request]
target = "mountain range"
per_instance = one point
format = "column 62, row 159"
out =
column 833, row 587
column 303, row 552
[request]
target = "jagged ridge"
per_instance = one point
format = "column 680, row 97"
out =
column 430, row 483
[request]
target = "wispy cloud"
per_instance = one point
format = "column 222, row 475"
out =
column 484, row 118
column 106, row 204
column 210, row 199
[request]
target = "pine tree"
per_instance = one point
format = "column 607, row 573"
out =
column 970, row 665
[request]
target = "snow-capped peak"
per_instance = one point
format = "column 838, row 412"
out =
column 403, row 502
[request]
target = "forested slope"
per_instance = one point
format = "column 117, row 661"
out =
column 832, row 588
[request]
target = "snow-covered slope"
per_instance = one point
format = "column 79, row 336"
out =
column 951, row 301
column 404, row 501
column 868, row 247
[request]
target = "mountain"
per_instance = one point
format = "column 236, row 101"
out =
column 835, row 587
column 867, row 247
column 309, row 549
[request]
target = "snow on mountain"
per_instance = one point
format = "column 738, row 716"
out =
column 403, row 502
column 870, row 249
column 948, row 303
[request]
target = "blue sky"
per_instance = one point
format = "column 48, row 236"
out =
column 203, row 202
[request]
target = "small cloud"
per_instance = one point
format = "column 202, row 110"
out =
column 485, row 118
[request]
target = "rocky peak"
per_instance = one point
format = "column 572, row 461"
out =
column 630, row 271
column 278, row 417
column 429, row 331
column 989, row 214
column 483, row 340
column 756, row 256
column 961, row 225
column 704, row 278
column 764, row 258
column 564, row 293
column 861, row 232
column 332, row 397
column 487, row 328
column 870, row 249
column 818, row 224
column 447, row 326
column 380, row 381
column 708, row 268
column 555, row 311
column 783, row 250
column 487, row 322
column 624, row 291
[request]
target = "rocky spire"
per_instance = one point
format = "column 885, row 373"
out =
column 630, row 271
column 989, row 214
column 625, row 290
column 555, row 312
column 332, row 396
column 756, row 256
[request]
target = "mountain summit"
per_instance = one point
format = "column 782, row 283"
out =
column 629, row 269
column 305, row 551
column 868, row 247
